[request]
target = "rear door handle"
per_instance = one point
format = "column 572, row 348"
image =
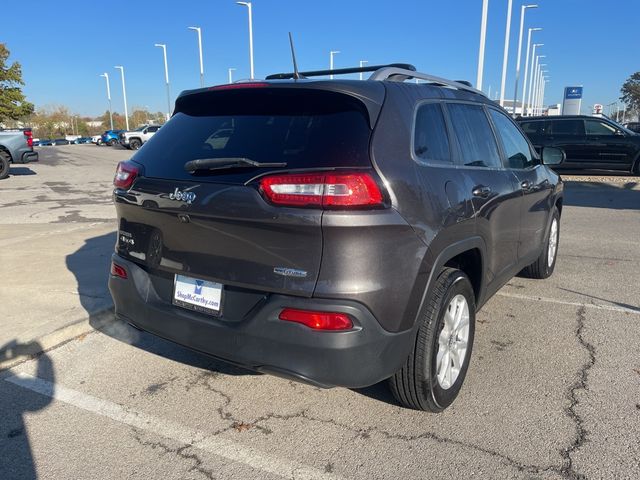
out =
column 481, row 191
column 526, row 185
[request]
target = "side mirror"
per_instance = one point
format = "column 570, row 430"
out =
column 619, row 133
column 552, row 156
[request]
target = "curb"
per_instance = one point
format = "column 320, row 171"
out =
column 87, row 324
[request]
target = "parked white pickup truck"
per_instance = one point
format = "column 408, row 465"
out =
column 134, row 140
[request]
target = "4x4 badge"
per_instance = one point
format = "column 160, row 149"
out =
column 182, row 196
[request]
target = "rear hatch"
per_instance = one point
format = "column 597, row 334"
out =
column 217, row 223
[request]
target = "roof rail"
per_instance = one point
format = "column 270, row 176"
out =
column 393, row 73
column 342, row 71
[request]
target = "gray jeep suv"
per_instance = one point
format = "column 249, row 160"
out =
column 338, row 232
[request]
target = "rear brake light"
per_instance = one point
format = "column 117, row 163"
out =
column 118, row 271
column 331, row 190
column 29, row 135
column 126, row 173
column 317, row 320
column 233, row 86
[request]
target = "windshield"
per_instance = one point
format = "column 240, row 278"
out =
column 621, row 127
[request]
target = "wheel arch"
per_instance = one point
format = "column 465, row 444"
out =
column 467, row 255
column 6, row 150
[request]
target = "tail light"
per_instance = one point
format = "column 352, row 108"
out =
column 331, row 190
column 118, row 271
column 317, row 320
column 29, row 135
column 126, row 173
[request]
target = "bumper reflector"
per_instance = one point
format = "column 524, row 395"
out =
column 317, row 320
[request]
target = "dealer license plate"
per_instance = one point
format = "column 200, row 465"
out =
column 199, row 295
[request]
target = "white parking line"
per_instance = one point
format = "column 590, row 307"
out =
column 171, row 430
column 610, row 308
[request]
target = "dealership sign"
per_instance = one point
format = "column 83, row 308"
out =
column 573, row 92
column 572, row 100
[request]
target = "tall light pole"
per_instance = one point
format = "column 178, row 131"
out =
column 515, row 94
column 505, row 55
column 166, row 76
column 483, row 36
column 106, row 77
column 248, row 5
column 124, row 95
column 536, row 83
column 526, row 67
column 544, row 86
column 542, row 82
column 199, row 31
column 362, row 62
column 534, row 87
column 231, row 70
column 331, row 54
column 533, row 58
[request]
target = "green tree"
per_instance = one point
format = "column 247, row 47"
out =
column 630, row 92
column 13, row 104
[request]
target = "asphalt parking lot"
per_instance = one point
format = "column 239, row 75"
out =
column 553, row 389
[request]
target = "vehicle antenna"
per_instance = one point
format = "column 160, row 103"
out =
column 296, row 75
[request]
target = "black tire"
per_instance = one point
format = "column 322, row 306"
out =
column 5, row 164
column 135, row 144
column 416, row 385
column 111, row 142
column 541, row 269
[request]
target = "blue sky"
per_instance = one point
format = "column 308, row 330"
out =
column 64, row 48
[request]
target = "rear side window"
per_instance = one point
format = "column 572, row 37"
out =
column 515, row 146
column 302, row 128
column 478, row 146
column 566, row 127
column 430, row 141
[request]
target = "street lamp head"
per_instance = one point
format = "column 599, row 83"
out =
column 105, row 75
column 530, row 6
column 197, row 29
column 538, row 44
column 161, row 45
column 333, row 52
column 535, row 29
column 119, row 67
column 246, row 4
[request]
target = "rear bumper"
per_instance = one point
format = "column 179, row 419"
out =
column 28, row 157
column 260, row 341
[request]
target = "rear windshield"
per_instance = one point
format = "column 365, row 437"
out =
column 303, row 128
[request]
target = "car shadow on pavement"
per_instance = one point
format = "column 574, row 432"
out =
column 623, row 196
column 90, row 265
column 380, row 391
column 21, row 171
column 18, row 401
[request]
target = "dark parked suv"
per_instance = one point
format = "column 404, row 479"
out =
column 339, row 232
column 588, row 142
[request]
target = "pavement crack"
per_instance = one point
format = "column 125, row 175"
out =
column 366, row 433
column 580, row 384
column 182, row 452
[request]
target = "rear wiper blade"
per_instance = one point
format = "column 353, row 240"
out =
column 227, row 162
